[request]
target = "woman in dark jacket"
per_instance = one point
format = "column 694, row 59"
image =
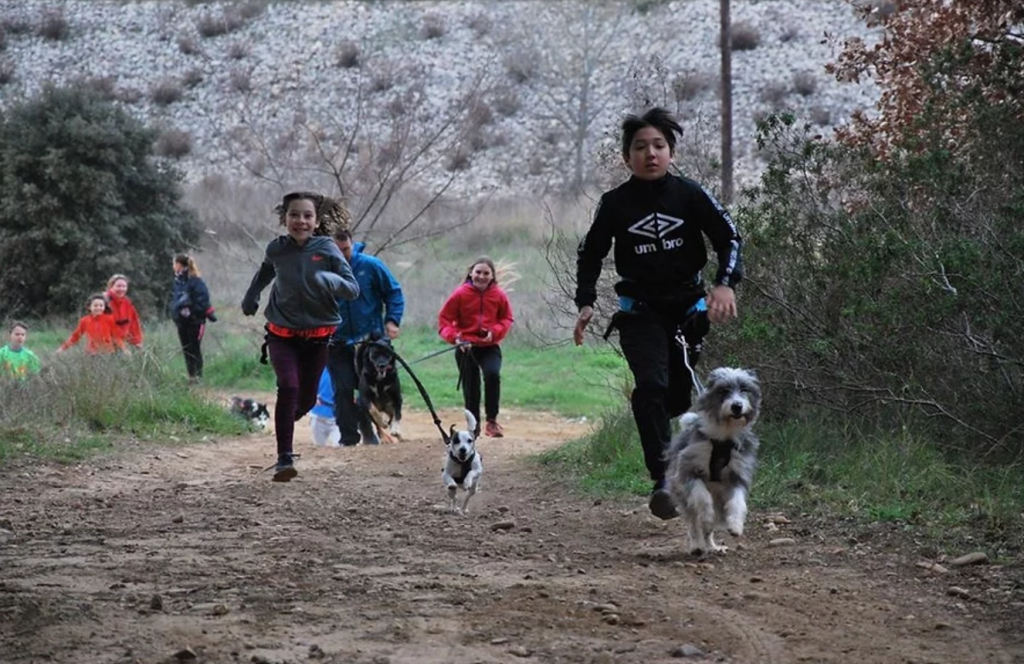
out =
column 190, row 308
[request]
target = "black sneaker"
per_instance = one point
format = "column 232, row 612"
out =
column 661, row 503
column 284, row 471
column 369, row 436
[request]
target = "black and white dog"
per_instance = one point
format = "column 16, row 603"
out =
column 251, row 411
column 463, row 465
column 380, row 391
column 711, row 461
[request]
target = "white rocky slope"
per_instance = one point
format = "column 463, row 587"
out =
column 254, row 97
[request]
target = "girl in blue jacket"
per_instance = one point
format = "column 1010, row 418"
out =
column 190, row 308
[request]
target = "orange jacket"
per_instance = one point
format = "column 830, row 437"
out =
column 100, row 335
column 469, row 313
column 129, row 329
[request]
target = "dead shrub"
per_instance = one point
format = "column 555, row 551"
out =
column 173, row 144
column 789, row 33
column 166, row 92
column 521, row 64
column 104, row 86
column 876, row 12
column 382, row 81
column 192, row 78
column 743, row 37
column 187, row 45
column 506, row 101
column 54, row 26
column 480, row 24
column 433, row 26
column 129, row 95
column 3, row 38
column 347, row 55
column 16, row 25
column 690, row 85
column 251, row 9
column 774, row 93
column 460, row 159
column 7, row 71
column 805, row 83
column 240, row 80
column 211, row 25
column 239, row 50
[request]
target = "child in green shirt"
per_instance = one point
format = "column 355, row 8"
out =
column 16, row 361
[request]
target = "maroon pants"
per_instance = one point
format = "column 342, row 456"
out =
column 298, row 364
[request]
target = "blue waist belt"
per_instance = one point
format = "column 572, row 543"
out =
column 628, row 304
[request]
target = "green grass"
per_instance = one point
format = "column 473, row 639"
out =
column 82, row 405
column 564, row 379
column 857, row 472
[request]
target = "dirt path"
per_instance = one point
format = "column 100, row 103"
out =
column 192, row 551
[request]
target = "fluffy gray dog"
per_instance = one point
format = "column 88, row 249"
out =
column 711, row 460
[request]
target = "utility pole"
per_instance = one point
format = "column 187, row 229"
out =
column 725, row 40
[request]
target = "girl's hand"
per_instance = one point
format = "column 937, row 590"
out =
column 586, row 313
column 391, row 329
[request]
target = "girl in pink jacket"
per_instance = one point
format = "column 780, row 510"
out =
column 477, row 316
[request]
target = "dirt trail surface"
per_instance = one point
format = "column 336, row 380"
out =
column 191, row 553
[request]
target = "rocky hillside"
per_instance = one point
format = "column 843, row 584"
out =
column 513, row 96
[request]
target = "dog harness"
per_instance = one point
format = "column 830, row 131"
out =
column 721, row 454
column 464, row 467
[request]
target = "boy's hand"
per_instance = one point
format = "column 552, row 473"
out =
column 586, row 313
column 721, row 304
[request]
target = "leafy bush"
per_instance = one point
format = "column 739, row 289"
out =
column 83, row 199
column 8, row 71
column 870, row 284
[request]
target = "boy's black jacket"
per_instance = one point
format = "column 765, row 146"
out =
column 658, row 230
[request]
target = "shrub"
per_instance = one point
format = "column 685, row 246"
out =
column 3, row 38
column 53, row 26
column 173, row 143
column 506, row 101
column 744, row 37
column 251, row 9
column 129, row 95
column 433, row 26
column 209, row 25
column 521, row 64
column 187, row 45
column 8, row 71
column 16, row 25
column 774, row 93
column 104, row 86
column 238, row 50
column 805, row 83
column 789, row 33
column 689, row 85
column 192, row 78
column 85, row 166
column 460, row 159
column 166, row 92
column 240, row 80
column 347, row 55
column 382, row 80
column 480, row 24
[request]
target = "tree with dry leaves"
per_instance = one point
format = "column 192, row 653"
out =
column 933, row 60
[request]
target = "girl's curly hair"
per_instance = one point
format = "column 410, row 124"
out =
column 332, row 213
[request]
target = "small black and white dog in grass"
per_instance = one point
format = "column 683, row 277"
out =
column 252, row 411
column 463, row 465
column 711, row 460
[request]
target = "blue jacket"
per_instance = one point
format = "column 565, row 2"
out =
column 325, row 397
column 380, row 299
column 190, row 300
